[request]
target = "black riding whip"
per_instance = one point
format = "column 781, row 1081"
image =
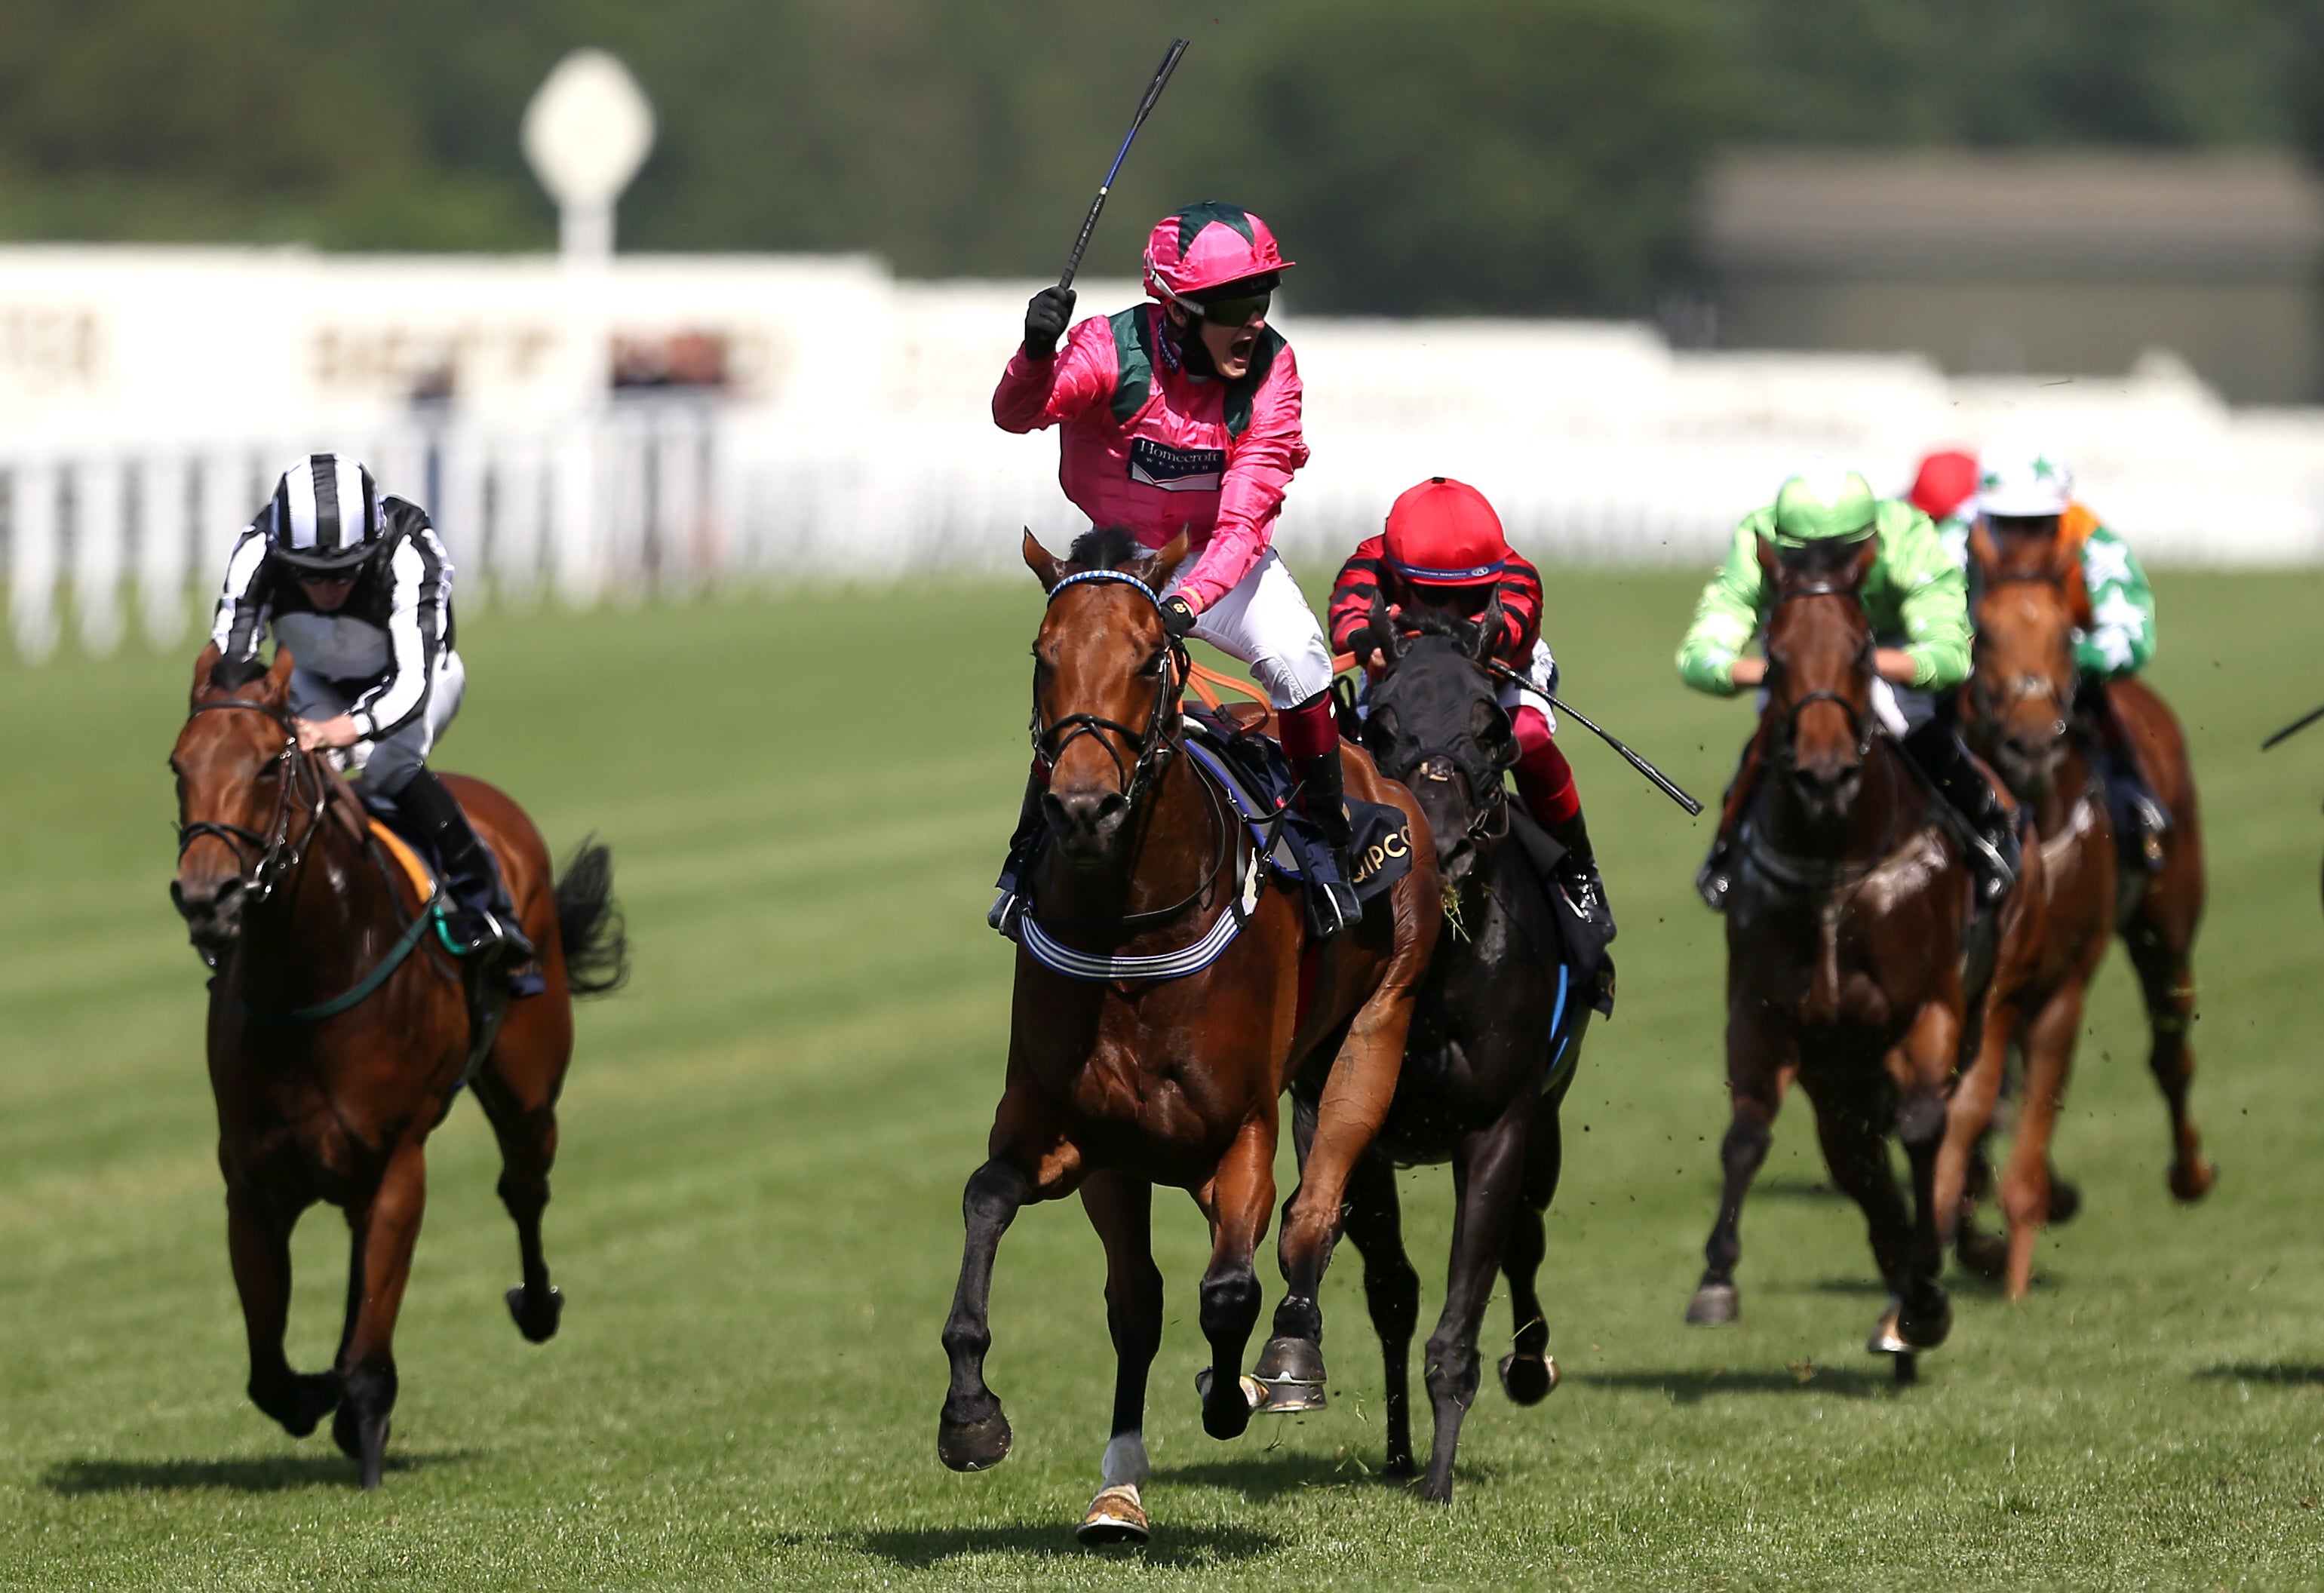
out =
column 1663, row 782
column 2294, row 728
column 1153, row 92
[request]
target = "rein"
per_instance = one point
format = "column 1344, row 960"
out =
column 279, row 858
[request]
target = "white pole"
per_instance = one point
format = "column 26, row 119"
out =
column 99, row 542
column 32, row 558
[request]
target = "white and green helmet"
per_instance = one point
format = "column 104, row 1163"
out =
column 1822, row 503
column 2018, row 476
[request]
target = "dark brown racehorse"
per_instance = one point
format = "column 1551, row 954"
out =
column 2018, row 710
column 1118, row 1083
column 1845, row 935
column 329, row 1076
column 1496, row 1037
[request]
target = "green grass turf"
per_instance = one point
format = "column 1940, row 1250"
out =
column 756, row 1224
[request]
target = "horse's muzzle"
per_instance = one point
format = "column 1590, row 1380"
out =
column 212, row 909
column 1827, row 787
column 1086, row 823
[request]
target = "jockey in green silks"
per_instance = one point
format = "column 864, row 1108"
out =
column 1917, row 601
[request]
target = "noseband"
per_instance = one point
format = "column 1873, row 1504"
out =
column 1153, row 747
column 276, row 855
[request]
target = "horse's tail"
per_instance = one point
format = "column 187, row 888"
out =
column 589, row 922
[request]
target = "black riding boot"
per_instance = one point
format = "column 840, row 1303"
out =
column 2138, row 814
column 1993, row 827
column 1576, row 874
column 480, row 920
column 1323, row 803
column 1023, row 845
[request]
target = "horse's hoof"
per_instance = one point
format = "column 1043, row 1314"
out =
column 974, row 1446
column 1115, row 1516
column 373, row 1459
column 1985, row 1255
column 1908, row 1369
column 1885, row 1340
column 1399, row 1467
column 1714, row 1306
column 1229, row 1417
column 1926, row 1325
column 537, row 1325
column 2191, row 1181
column 2065, row 1200
column 1290, row 1374
column 312, row 1397
column 347, row 1431
column 1528, row 1379
column 1437, row 1491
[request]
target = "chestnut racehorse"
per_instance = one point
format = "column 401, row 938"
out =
column 1845, row 948
column 1134, row 1073
column 337, row 1036
column 2019, row 711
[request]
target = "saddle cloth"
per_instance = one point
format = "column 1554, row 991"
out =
column 1257, row 781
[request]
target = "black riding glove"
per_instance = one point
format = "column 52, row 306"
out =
column 1177, row 617
column 1047, row 315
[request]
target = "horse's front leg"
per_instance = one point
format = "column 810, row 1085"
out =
column 1121, row 1209
column 383, row 1228
column 1488, row 1187
column 1923, row 1067
column 258, row 1243
column 973, row 1432
column 1357, row 1093
column 1759, row 1053
column 1237, row 1201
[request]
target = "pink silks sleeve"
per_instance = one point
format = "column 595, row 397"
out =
column 1036, row 394
column 1260, row 466
column 1544, row 779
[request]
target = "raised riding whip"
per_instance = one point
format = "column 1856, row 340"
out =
column 1153, row 92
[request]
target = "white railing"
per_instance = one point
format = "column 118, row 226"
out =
column 1596, row 444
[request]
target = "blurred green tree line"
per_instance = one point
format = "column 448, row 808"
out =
column 1459, row 155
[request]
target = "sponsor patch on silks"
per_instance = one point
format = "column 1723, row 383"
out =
column 1382, row 853
column 1176, row 469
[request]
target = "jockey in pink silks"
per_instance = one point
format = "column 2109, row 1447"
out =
column 1182, row 414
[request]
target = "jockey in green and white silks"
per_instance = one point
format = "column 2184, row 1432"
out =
column 2025, row 492
column 1917, row 601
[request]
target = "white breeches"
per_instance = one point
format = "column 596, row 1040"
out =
column 386, row 765
column 1264, row 622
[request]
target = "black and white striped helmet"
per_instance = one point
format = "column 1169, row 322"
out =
column 325, row 514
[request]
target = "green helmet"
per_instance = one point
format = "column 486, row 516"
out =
column 1823, row 505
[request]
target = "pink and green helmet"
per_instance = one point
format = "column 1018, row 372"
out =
column 1206, row 247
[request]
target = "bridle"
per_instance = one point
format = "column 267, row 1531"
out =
column 1153, row 747
column 1990, row 710
column 1488, row 822
column 1863, row 726
column 265, row 861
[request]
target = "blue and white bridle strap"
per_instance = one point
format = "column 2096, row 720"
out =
column 1083, row 965
column 1117, row 577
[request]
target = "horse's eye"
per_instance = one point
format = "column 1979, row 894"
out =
column 1152, row 667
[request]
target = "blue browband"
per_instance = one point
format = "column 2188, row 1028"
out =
column 1118, row 578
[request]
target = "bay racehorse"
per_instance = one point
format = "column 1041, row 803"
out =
column 2018, row 710
column 1198, row 999
column 1496, row 1034
column 338, row 1034
column 1845, row 948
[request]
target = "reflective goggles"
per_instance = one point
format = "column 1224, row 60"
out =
column 1241, row 310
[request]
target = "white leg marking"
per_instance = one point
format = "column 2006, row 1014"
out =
column 1125, row 1460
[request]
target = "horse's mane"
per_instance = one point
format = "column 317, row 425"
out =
column 1105, row 548
column 1427, row 622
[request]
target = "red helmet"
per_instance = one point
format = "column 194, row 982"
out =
column 1443, row 533
column 1208, row 245
column 1948, row 480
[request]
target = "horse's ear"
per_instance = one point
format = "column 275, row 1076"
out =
column 1047, row 567
column 1386, row 634
column 1982, row 553
column 277, row 686
column 1157, row 567
column 204, row 667
column 1489, row 628
column 1859, row 568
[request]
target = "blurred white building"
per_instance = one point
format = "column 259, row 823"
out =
column 675, row 420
